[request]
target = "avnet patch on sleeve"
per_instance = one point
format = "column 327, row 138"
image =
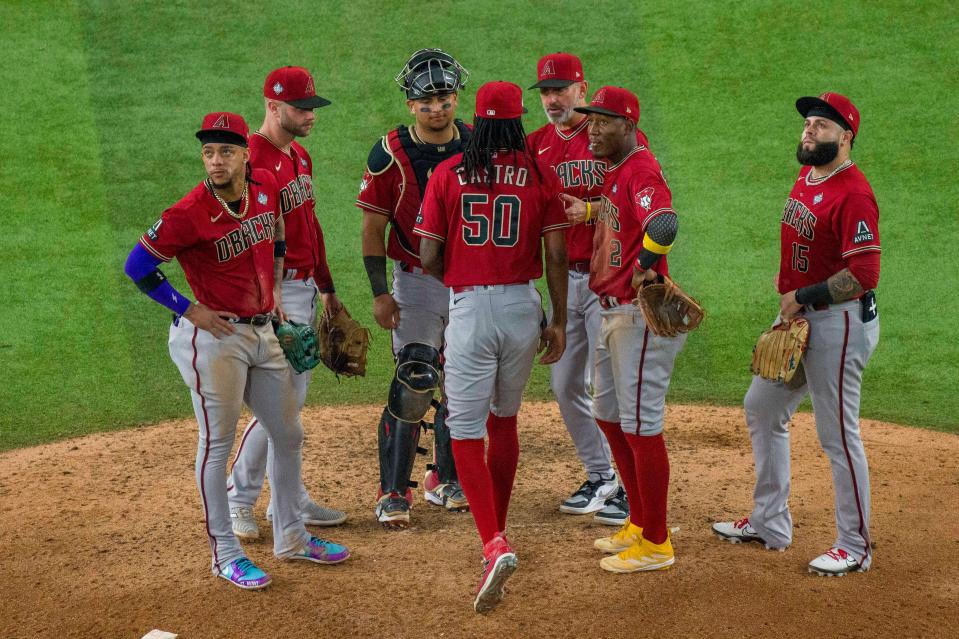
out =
column 863, row 233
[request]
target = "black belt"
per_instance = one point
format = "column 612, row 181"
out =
column 256, row 320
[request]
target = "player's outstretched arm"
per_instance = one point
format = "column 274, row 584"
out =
column 385, row 310
column 557, row 273
column 431, row 255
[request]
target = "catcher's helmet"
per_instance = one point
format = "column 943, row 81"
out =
column 431, row 72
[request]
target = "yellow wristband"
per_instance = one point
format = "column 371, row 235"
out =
column 652, row 246
column 589, row 211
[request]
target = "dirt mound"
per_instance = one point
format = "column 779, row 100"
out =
column 103, row 537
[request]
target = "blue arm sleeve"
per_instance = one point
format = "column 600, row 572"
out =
column 141, row 267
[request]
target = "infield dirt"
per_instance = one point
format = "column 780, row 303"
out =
column 103, row 536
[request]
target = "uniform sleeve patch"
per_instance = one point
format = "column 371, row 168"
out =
column 863, row 233
column 645, row 198
column 154, row 231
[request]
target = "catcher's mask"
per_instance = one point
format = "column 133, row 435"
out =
column 417, row 378
column 431, row 72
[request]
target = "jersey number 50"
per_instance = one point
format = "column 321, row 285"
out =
column 477, row 219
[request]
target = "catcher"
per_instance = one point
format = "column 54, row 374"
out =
column 635, row 229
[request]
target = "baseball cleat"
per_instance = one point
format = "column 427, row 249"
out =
column 616, row 510
column 244, row 574
column 315, row 515
column 244, row 525
column 627, row 536
column 450, row 495
column 737, row 532
column 499, row 564
column 321, row 551
column 591, row 496
column 393, row 512
column 642, row 557
column 836, row 562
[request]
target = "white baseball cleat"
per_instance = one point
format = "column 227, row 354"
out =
column 739, row 532
column 315, row 515
column 244, row 525
column 836, row 562
column 591, row 496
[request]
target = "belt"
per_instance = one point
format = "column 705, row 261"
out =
column 820, row 307
column 608, row 301
column 466, row 289
column 297, row 273
column 409, row 268
column 256, row 320
column 579, row 267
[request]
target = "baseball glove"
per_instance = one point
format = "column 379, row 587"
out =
column 667, row 309
column 298, row 342
column 778, row 353
column 343, row 344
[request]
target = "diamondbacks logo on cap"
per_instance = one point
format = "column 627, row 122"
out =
column 600, row 97
column 850, row 116
column 578, row 74
column 628, row 110
column 261, row 198
column 222, row 122
column 309, row 85
column 549, row 68
column 278, row 88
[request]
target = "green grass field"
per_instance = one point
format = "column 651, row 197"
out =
column 100, row 101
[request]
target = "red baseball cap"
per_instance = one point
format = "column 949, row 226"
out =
column 499, row 101
column 223, row 127
column 557, row 71
column 615, row 101
column 293, row 85
column 833, row 106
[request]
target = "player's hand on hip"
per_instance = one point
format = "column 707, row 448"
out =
column 575, row 207
column 642, row 277
column 788, row 306
column 331, row 305
column 214, row 322
column 386, row 311
column 553, row 340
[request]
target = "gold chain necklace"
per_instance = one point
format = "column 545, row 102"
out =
column 226, row 207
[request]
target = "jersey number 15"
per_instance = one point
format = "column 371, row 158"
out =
column 478, row 219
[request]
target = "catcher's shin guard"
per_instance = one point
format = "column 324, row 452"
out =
column 398, row 442
column 417, row 377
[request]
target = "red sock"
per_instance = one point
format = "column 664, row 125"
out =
column 652, row 465
column 501, row 459
column 475, row 479
column 625, row 464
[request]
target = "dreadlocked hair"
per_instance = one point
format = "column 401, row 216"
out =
column 488, row 137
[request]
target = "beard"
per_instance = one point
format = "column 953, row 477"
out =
column 558, row 120
column 822, row 153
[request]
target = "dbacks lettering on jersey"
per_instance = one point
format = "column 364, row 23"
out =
column 250, row 232
column 295, row 193
column 609, row 214
column 800, row 218
column 581, row 173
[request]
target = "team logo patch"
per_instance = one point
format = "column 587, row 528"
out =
column 614, row 188
column 817, row 199
column 278, row 88
column 261, row 198
column 548, row 68
column 222, row 122
column 490, row 111
column 302, row 161
column 364, row 183
column 863, row 233
column 600, row 96
column 154, row 231
column 419, row 217
column 645, row 198
column 309, row 86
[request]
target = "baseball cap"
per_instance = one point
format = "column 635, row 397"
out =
column 499, row 101
column 558, row 70
column 833, row 106
column 293, row 85
column 615, row 101
column 223, row 127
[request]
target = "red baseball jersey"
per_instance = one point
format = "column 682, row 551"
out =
column 634, row 193
column 492, row 235
column 566, row 152
column 305, row 246
column 825, row 221
column 227, row 262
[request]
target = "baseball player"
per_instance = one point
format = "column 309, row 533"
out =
column 562, row 146
column 829, row 264
column 229, row 240
column 290, row 98
column 482, row 219
column 636, row 227
column 392, row 188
